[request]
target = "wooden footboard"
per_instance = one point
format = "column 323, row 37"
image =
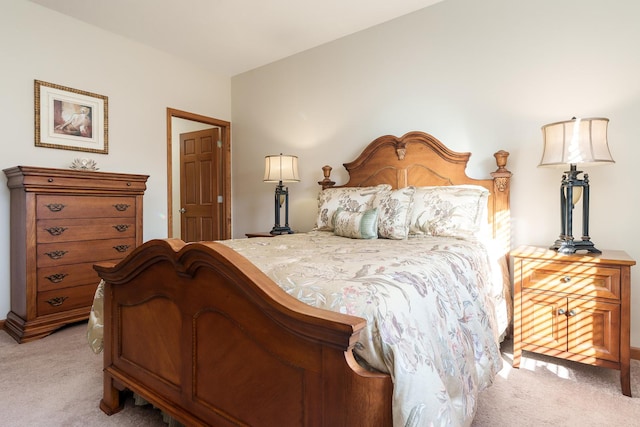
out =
column 202, row 334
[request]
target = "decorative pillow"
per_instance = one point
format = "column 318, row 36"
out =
column 454, row 211
column 356, row 225
column 394, row 207
column 354, row 199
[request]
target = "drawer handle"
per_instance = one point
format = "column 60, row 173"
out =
column 566, row 279
column 57, row 301
column 121, row 227
column 55, row 254
column 56, row 278
column 56, row 231
column 121, row 207
column 55, row 207
column 121, row 248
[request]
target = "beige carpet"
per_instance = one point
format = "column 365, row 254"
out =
column 56, row 381
column 546, row 391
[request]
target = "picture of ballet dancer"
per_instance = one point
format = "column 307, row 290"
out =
column 77, row 119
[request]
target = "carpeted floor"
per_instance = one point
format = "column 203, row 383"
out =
column 56, row 381
column 546, row 391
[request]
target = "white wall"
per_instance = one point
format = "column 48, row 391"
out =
column 36, row 43
column 480, row 76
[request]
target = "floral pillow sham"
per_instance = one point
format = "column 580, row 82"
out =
column 394, row 209
column 352, row 199
column 453, row 211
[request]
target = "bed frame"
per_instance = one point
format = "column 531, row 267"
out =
column 202, row 334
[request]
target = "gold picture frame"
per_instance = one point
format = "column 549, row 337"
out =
column 70, row 119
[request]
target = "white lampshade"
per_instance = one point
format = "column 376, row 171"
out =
column 576, row 141
column 281, row 168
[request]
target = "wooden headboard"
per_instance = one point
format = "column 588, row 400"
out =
column 419, row 159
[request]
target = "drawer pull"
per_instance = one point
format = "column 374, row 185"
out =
column 55, row 254
column 56, row 278
column 121, row 227
column 121, row 248
column 566, row 279
column 55, row 207
column 57, row 301
column 56, row 231
column 121, row 207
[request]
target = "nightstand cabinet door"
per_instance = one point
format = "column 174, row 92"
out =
column 593, row 329
column 543, row 321
column 62, row 223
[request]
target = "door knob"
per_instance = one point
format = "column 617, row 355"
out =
column 182, row 210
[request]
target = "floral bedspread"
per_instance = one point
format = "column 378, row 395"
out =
column 430, row 305
column 435, row 308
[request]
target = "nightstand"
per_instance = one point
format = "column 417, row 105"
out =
column 575, row 307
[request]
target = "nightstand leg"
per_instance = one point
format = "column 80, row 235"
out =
column 517, row 354
column 625, row 378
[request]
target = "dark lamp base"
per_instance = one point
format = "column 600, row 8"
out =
column 281, row 230
column 572, row 246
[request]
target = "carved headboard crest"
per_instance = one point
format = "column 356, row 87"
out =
column 401, row 149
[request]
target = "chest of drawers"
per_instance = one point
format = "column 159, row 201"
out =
column 62, row 222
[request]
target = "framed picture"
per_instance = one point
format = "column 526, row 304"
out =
column 70, row 119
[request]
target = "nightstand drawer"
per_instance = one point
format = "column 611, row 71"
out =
column 586, row 280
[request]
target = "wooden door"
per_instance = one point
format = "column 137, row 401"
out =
column 201, row 182
column 544, row 322
column 593, row 329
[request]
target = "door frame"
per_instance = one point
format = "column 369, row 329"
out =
column 225, row 138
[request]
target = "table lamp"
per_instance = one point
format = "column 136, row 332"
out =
column 281, row 168
column 575, row 142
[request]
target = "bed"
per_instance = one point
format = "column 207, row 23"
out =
column 256, row 332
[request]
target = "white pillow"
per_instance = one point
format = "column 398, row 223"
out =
column 455, row 211
column 356, row 225
column 353, row 199
column 394, row 208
